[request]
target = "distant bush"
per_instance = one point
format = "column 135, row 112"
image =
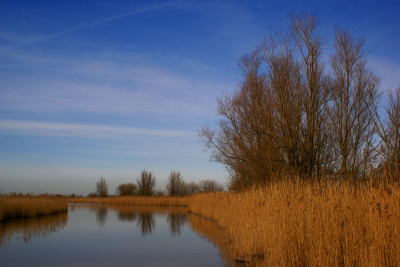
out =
column 191, row 188
column 210, row 186
column 129, row 189
column 160, row 193
column 92, row 194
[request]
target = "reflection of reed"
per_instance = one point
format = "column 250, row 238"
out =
column 148, row 209
column 127, row 216
column 176, row 222
column 133, row 200
column 210, row 231
column 146, row 223
column 32, row 227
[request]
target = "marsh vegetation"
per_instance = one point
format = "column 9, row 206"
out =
column 15, row 205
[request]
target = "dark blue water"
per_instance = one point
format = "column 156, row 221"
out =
column 102, row 235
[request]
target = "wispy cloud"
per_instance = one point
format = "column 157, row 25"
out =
column 34, row 40
column 37, row 128
column 113, row 86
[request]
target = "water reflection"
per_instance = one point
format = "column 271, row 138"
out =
column 128, row 216
column 81, row 236
column 210, row 231
column 176, row 222
column 101, row 213
column 146, row 223
column 101, row 216
column 26, row 229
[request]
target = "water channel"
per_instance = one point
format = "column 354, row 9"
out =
column 105, row 235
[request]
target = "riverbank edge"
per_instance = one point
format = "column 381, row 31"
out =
column 31, row 206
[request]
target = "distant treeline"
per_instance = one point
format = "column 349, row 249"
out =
column 296, row 114
column 146, row 183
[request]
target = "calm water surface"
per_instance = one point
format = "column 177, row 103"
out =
column 103, row 235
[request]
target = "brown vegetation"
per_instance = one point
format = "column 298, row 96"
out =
column 128, row 189
column 133, row 200
column 309, row 224
column 25, row 206
column 32, row 227
column 102, row 187
column 146, row 183
column 291, row 116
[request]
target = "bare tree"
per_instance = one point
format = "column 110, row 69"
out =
column 289, row 116
column 102, row 187
column 354, row 91
column 129, row 189
column 191, row 188
column 389, row 133
column 315, row 128
column 175, row 185
column 393, row 132
column 146, row 183
column 210, row 186
column 242, row 141
column 285, row 91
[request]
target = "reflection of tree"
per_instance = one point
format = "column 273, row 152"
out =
column 127, row 216
column 146, row 223
column 101, row 215
column 31, row 227
column 176, row 222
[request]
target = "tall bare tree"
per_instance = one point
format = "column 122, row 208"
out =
column 355, row 89
column 243, row 142
column 289, row 116
column 175, row 185
column 389, row 133
column 314, row 95
column 102, row 187
column 284, row 90
column 146, row 183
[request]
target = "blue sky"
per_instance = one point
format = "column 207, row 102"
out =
column 107, row 88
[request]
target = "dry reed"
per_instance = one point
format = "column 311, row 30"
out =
column 133, row 200
column 291, row 224
column 26, row 206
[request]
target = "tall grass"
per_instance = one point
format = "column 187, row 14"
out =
column 292, row 224
column 133, row 200
column 26, row 206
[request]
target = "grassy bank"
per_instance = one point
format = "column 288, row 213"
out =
column 26, row 206
column 290, row 224
column 133, row 200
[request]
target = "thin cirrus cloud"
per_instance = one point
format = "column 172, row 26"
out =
column 37, row 128
column 117, row 87
column 89, row 25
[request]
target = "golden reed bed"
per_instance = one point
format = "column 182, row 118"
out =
column 289, row 224
column 12, row 206
column 133, row 200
